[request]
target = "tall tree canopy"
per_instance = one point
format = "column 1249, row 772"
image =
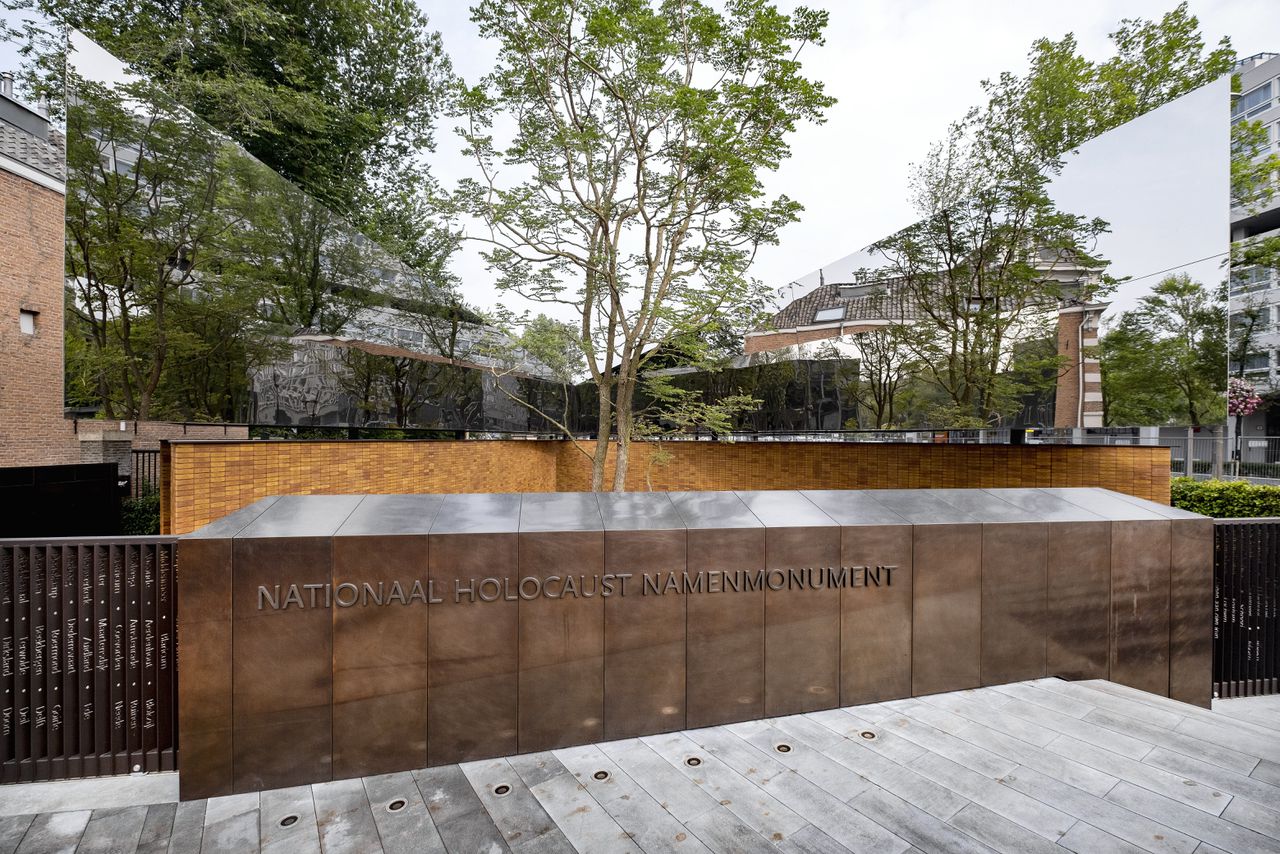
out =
column 338, row 96
column 632, row 190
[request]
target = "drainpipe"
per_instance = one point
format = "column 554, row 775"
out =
column 1080, row 372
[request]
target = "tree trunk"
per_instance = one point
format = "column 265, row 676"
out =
column 603, row 423
column 624, row 417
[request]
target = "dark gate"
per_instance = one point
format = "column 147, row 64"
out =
column 87, row 657
column 1246, row 597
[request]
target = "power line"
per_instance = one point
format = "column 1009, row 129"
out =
column 1176, row 267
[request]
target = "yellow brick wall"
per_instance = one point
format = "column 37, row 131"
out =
column 1140, row 471
column 203, row 481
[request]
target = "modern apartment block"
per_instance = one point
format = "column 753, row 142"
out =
column 1258, row 286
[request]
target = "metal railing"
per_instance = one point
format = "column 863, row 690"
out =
column 88, row 657
column 1246, row 607
column 146, row 472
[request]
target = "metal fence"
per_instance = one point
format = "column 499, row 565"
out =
column 146, row 473
column 1246, row 601
column 88, row 667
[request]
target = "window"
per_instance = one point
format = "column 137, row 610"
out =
column 27, row 321
column 1250, row 279
column 1250, row 101
column 828, row 314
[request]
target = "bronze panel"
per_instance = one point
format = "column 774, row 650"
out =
column 1079, row 593
column 473, row 649
column 725, row 655
column 1191, row 612
column 562, row 641
column 283, row 672
column 801, row 627
column 379, row 657
column 643, row 637
column 204, row 660
column 875, row 635
column 947, row 608
column 1014, row 560
column 1140, row 604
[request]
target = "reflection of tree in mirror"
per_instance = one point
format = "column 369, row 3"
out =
column 1163, row 362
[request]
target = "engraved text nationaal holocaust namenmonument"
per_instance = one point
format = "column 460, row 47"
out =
column 324, row 637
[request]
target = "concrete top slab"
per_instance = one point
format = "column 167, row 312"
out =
column 1105, row 503
column 922, row 507
column 1048, row 507
column 479, row 513
column 489, row 513
column 639, row 511
column 233, row 523
column 785, row 508
column 854, row 507
column 560, row 511
column 713, row 510
column 303, row 516
column 405, row 515
column 1161, row 509
column 986, row 506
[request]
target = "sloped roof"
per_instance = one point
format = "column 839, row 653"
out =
column 887, row 303
column 48, row 158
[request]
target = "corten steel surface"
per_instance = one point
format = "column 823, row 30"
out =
column 1077, row 583
column 875, row 622
column 1014, row 579
column 561, row 639
column 644, row 671
column 801, row 627
column 946, row 640
column 282, row 660
column 544, row 620
column 204, row 651
column 380, row 659
column 724, row 642
column 474, row 646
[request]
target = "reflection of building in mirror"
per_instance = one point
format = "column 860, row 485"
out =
column 1254, row 326
column 195, row 270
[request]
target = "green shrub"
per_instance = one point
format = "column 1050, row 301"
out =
column 140, row 517
column 1225, row 499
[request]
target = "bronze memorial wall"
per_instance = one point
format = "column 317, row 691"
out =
column 325, row 637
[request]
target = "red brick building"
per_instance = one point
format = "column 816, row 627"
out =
column 32, row 212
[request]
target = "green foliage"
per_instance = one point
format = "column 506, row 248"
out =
column 643, row 134
column 1066, row 99
column 1164, row 362
column 140, row 516
column 339, row 96
column 1225, row 499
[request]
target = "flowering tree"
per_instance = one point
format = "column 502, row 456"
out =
column 1242, row 398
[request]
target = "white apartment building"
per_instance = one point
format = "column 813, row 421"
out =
column 1259, row 101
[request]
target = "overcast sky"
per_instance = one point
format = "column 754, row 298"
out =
column 902, row 70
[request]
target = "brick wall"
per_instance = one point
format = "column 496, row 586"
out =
column 32, row 429
column 203, row 481
column 1140, row 471
column 147, row 435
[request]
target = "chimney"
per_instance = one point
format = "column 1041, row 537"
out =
column 18, row 114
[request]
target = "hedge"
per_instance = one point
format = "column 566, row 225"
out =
column 1225, row 499
column 140, row 517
